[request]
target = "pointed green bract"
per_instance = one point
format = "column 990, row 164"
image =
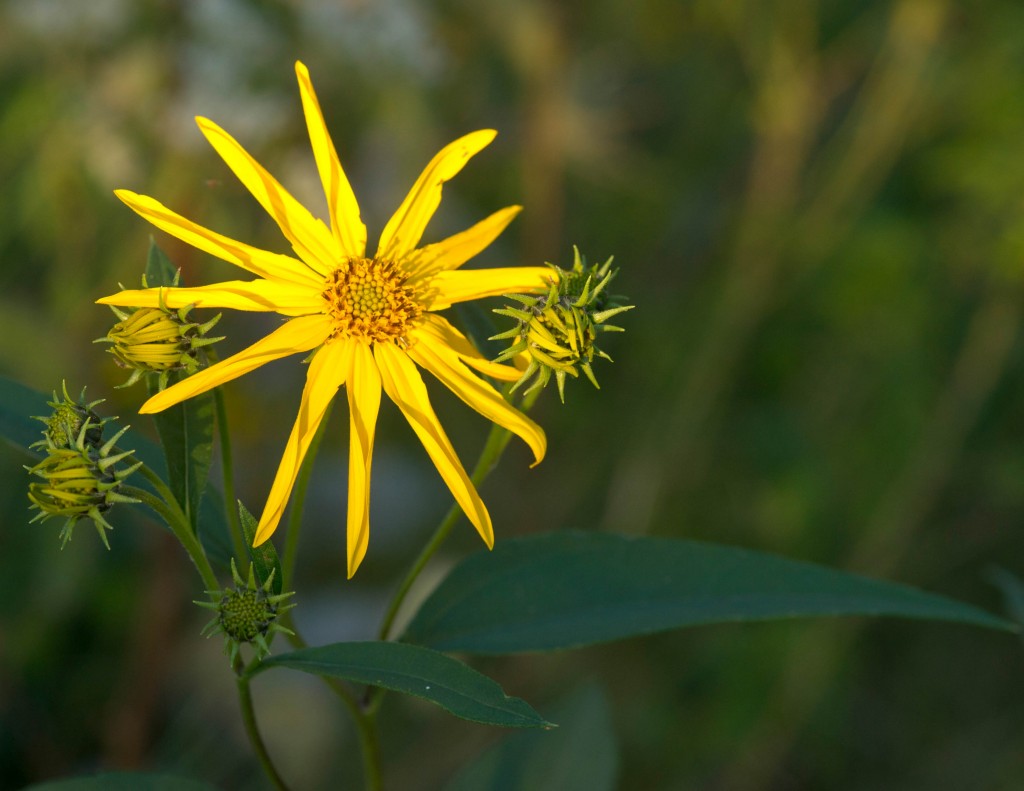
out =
column 571, row 589
column 159, row 269
column 265, row 561
column 417, row 671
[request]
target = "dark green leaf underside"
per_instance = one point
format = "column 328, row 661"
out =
column 571, row 589
column 416, row 671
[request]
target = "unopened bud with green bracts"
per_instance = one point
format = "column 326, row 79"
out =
column 65, row 423
column 246, row 613
column 81, row 481
column 557, row 331
column 157, row 340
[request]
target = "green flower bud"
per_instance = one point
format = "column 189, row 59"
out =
column 65, row 423
column 81, row 481
column 157, row 340
column 246, row 613
column 557, row 331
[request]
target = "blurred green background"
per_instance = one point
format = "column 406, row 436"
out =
column 816, row 208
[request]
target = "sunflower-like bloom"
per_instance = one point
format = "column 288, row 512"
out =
column 370, row 320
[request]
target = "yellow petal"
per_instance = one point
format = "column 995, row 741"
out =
column 404, row 385
column 454, row 251
column 442, row 330
column 444, row 363
column 287, row 299
column 294, row 336
column 326, row 373
column 462, row 286
column 363, row 403
column 260, row 262
column 348, row 228
column 310, row 239
column 406, row 226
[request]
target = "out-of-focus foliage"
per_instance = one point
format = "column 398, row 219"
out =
column 816, row 207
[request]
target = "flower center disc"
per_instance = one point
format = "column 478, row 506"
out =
column 368, row 298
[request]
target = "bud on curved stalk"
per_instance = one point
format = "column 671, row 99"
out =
column 81, row 481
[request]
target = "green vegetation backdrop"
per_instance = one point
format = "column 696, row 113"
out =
column 816, row 207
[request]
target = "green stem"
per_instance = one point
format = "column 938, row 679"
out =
column 252, row 729
column 497, row 441
column 170, row 511
column 365, row 726
column 291, row 543
column 227, row 467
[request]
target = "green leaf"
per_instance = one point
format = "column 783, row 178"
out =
column 19, row 403
column 1012, row 589
column 159, row 269
column 580, row 755
column 569, row 589
column 18, row 407
column 213, row 528
column 264, row 558
column 417, row 671
column 124, row 781
column 186, row 433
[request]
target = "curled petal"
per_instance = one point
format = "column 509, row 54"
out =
column 441, row 330
column 445, row 364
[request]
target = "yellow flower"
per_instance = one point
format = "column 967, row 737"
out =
column 371, row 320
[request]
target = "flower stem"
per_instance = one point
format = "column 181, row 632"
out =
column 497, row 441
column 227, row 467
column 252, row 729
column 365, row 725
column 170, row 511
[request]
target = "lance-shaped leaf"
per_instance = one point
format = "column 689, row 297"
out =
column 417, row 671
column 569, row 589
column 265, row 559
